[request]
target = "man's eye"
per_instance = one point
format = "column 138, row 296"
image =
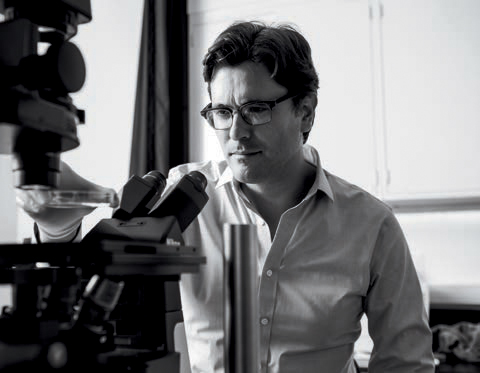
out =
column 255, row 109
column 222, row 113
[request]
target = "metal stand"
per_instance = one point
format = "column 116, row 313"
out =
column 241, row 311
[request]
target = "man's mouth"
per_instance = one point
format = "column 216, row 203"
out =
column 245, row 153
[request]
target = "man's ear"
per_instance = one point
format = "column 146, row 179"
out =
column 307, row 111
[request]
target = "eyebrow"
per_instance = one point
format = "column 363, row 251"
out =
column 223, row 106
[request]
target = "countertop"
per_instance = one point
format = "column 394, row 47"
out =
column 458, row 368
column 449, row 368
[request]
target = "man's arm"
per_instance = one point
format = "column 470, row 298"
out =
column 58, row 224
column 397, row 318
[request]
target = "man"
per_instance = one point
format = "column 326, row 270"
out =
column 329, row 251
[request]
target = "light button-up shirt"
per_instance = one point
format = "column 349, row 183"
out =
column 338, row 254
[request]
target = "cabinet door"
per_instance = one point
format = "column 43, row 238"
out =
column 339, row 35
column 431, row 56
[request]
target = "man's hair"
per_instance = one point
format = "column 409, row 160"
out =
column 281, row 48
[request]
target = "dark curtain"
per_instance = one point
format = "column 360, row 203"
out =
column 160, row 128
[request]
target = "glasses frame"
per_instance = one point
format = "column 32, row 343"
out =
column 271, row 104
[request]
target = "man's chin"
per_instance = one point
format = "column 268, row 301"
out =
column 246, row 175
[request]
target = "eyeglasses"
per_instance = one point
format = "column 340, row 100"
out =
column 254, row 113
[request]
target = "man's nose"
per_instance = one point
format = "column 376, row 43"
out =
column 240, row 129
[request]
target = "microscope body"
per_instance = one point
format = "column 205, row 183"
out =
column 38, row 119
column 108, row 303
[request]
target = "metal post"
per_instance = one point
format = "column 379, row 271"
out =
column 241, row 312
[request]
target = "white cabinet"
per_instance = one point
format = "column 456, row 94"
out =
column 431, row 60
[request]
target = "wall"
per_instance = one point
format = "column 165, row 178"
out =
column 110, row 44
column 8, row 226
column 447, row 245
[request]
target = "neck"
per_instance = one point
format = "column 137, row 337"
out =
column 272, row 199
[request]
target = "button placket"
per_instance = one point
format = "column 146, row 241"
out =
column 268, row 286
column 268, row 282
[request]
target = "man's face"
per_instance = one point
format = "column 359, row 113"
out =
column 264, row 153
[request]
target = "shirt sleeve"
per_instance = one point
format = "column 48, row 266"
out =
column 397, row 318
column 173, row 177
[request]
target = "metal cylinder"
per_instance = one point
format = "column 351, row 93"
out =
column 241, row 311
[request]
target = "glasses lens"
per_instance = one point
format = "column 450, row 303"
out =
column 256, row 113
column 219, row 118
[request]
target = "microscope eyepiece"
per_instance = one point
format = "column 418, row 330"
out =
column 140, row 194
column 199, row 180
column 157, row 180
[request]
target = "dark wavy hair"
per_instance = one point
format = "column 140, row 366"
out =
column 281, row 48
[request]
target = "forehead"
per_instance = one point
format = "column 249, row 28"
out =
column 244, row 82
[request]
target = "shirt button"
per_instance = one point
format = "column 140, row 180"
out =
column 264, row 321
column 269, row 273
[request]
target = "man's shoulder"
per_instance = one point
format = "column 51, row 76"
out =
column 212, row 170
column 354, row 195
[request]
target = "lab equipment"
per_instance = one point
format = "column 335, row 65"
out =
column 110, row 302
column 38, row 120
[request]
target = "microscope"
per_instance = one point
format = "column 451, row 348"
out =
column 110, row 302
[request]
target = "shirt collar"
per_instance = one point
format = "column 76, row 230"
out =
column 311, row 156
